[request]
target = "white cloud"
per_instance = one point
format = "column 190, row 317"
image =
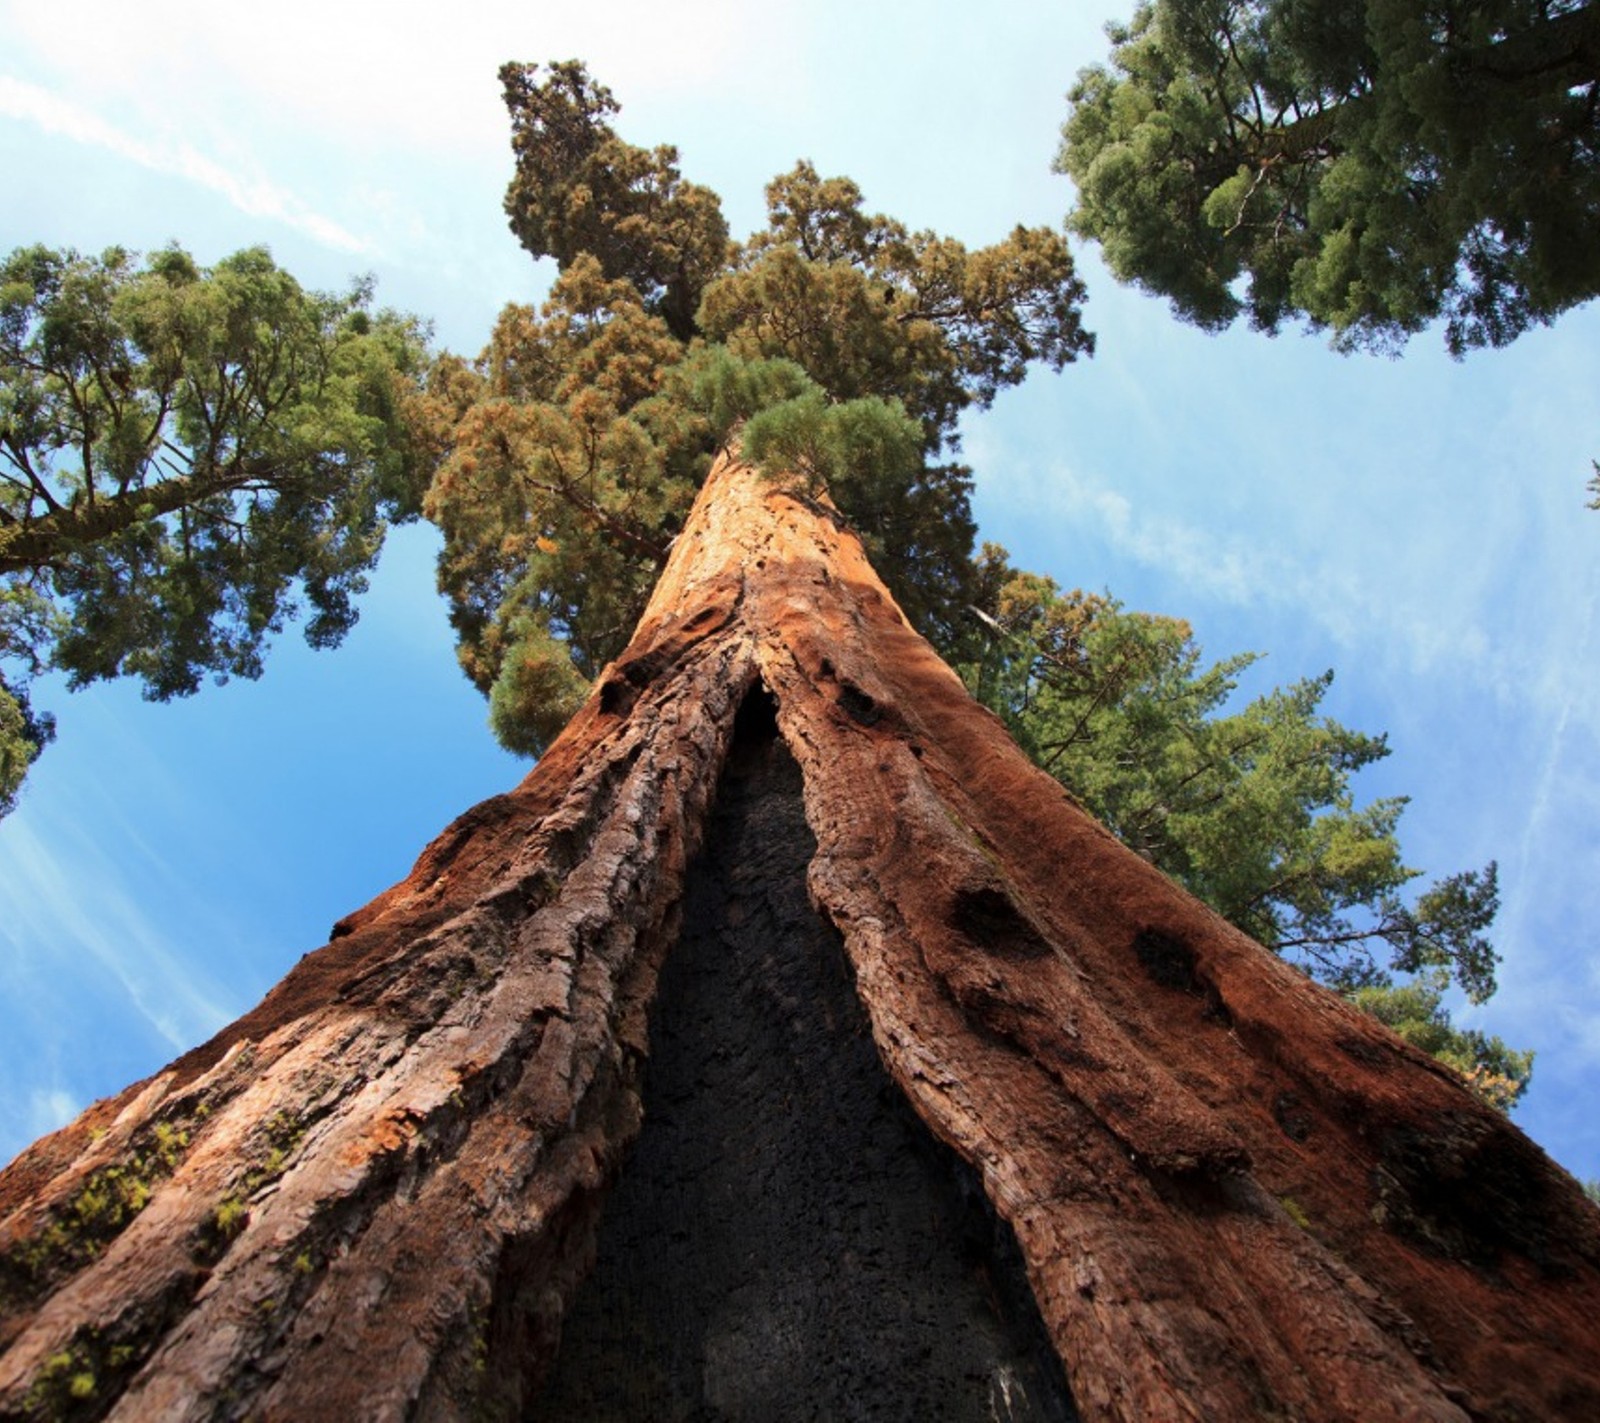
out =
column 1547, row 790
column 257, row 197
column 49, row 1108
column 59, row 889
column 389, row 73
column 1249, row 569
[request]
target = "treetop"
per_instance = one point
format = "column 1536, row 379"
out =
column 840, row 343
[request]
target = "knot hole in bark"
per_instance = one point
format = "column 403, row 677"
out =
column 1470, row 1188
column 860, row 706
column 1171, row 963
column 628, row 678
column 988, row 917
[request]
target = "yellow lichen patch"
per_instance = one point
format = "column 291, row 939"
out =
column 1295, row 1211
column 66, row 1378
column 79, row 1228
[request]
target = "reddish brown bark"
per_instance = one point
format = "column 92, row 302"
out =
column 374, row 1194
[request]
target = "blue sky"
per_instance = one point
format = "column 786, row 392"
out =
column 1416, row 524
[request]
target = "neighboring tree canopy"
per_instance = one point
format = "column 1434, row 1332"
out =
column 571, row 451
column 23, row 735
column 1415, row 1009
column 1370, row 166
column 186, row 455
column 1251, row 810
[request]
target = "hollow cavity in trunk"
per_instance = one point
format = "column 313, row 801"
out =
column 786, row 1239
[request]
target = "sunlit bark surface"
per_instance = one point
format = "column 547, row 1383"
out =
column 375, row 1195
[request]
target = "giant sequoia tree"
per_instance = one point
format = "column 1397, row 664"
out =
column 375, row 1195
column 1168, row 1161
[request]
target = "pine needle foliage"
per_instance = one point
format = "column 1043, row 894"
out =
column 1369, row 167
column 189, row 459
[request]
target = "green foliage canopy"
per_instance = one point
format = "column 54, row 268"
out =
column 186, row 455
column 23, row 735
column 1416, row 1011
column 564, row 476
column 835, row 343
column 1371, row 166
column 580, row 189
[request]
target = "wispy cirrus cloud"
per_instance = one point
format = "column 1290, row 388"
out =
column 1243, row 568
column 255, row 196
column 58, row 889
column 423, row 84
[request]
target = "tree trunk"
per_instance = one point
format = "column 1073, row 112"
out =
column 376, row 1194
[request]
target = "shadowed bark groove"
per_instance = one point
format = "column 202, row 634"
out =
column 786, row 1241
column 374, row 1195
